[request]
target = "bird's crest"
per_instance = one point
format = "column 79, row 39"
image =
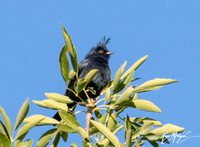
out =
column 104, row 41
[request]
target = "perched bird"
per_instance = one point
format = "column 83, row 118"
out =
column 97, row 58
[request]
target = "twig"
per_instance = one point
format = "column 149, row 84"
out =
column 90, row 108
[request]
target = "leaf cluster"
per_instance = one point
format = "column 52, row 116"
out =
column 106, row 122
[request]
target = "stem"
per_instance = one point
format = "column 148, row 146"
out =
column 90, row 108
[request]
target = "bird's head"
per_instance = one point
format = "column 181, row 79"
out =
column 101, row 49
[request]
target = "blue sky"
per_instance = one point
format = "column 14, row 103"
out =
column 168, row 31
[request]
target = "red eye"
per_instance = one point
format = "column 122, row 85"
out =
column 101, row 51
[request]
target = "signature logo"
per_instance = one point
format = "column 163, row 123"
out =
column 177, row 137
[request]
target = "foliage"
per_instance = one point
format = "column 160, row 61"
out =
column 120, row 94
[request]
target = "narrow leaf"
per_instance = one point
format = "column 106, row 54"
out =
column 71, row 49
column 135, row 66
column 73, row 123
column 27, row 127
column 27, row 143
column 56, row 139
column 45, row 120
column 168, row 129
column 51, row 104
column 116, row 81
column 64, row 64
column 6, row 120
column 125, row 97
column 4, row 141
column 153, row 85
column 59, row 98
column 65, row 128
column 146, row 105
column 142, row 120
column 45, row 138
column 22, row 114
column 111, row 136
column 90, row 75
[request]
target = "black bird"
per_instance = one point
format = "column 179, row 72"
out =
column 97, row 58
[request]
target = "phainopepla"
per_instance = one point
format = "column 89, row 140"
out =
column 97, row 58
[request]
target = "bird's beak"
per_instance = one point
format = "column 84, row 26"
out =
column 109, row 53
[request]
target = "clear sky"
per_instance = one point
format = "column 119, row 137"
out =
column 166, row 30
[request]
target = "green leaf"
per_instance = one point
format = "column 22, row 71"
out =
column 153, row 85
column 90, row 75
column 74, row 145
column 73, row 123
column 125, row 97
column 27, row 127
column 51, row 104
column 106, row 132
column 64, row 64
column 112, row 121
column 107, row 95
column 65, row 128
column 22, row 113
column 56, row 139
column 116, row 81
column 6, row 120
column 59, row 98
column 72, row 75
column 4, row 130
column 64, row 136
column 142, row 120
column 46, row 120
column 145, row 105
column 45, row 138
column 4, row 141
column 71, row 49
column 135, row 66
column 168, row 129
column 128, row 131
column 27, row 143
column 81, row 83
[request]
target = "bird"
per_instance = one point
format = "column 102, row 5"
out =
column 97, row 58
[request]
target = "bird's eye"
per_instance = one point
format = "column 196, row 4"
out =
column 101, row 51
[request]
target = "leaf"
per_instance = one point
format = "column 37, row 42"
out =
column 46, row 120
column 116, row 81
column 59, row 98
column 27, row 143
column 65, row 128
column 72, row 122
column 153, row 85
column 56, row 139
column 146, row 105
column 168, row 129
column 6, row 120
column 45, row 138
column 74, row 145
column 64, row 136
column 22, row 113
column 71, row 49
column 51, row 104
column 107, row 95
column 128, row 131
column 64, row 64
column 4, row 141
column 125, row 97
column 106, row 132
column 81, row 83
column 27, row 127
column 135, row 66
column 4, row 130
column 146, row 119
column 90, row 75
column 112, row 121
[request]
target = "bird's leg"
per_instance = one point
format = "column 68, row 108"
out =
column 90, row 107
